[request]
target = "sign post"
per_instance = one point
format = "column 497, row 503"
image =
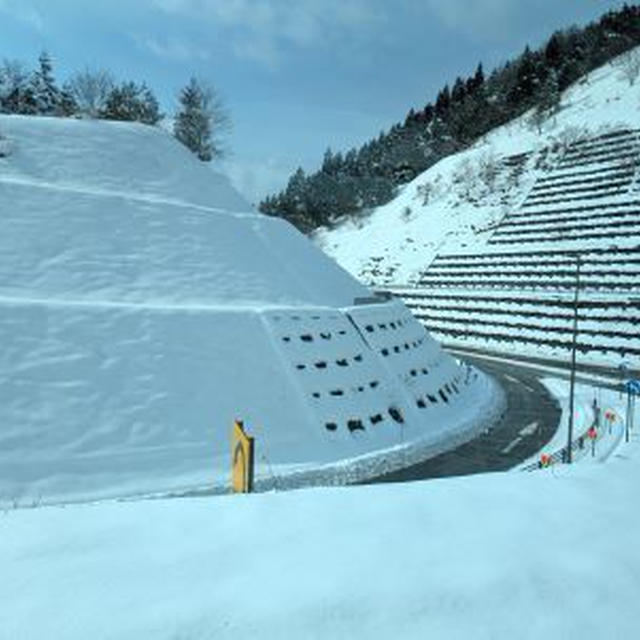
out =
column 633, row 390
column 241, row 459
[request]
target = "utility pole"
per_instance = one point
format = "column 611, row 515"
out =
column 574, row 339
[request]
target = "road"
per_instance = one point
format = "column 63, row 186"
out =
column 530, row 421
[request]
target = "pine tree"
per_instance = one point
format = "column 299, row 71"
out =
column 132, row 102
column 200, row 121
column 46, row 94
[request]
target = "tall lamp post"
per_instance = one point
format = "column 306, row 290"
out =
column 574, row 339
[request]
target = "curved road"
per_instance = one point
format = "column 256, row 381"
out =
column 530, row 421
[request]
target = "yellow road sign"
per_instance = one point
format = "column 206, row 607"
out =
column 241, row 459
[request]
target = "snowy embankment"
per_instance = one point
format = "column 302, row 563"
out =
column 506, row 555
column 454, row 206
column 145, row 308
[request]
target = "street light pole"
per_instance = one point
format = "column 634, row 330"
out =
column 574, row 339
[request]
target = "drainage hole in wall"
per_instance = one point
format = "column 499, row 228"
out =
column 358, row 358
column 325, row 336
column 432, row 399
column 382, row 326
column 396, row 349
column 373, row 384
column 355, row 425
column 301, row 366
column 413, row 372
column 424, row 371
column 286, row 339
column 441, row 392
column 330, row 426
column 447, row 388
column 342, row 332
column 385, row 352
column 421, row 403
column 321, row 365
column 316, row 394
column 392, row 325
column 369, row 328
column 396, row 414
column 375, row 419
column 336, row 392
column 342, row 362
column 306, row 337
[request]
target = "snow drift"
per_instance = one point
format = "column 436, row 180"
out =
column 143, row 307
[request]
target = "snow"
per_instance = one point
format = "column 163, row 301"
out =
column 400, row 239
column 144, row 307
column 550, row 553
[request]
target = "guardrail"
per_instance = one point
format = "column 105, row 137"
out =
column 578, row 444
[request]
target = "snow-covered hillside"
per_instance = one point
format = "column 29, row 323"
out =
column 143, row 307
column 483, row 247
column 549, row 554
column 456, row 204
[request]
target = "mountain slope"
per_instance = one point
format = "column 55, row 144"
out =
column 455, row 205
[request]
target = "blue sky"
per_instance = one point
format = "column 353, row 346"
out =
column 296, row 75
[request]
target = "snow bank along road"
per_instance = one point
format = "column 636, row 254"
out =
column 530, row 421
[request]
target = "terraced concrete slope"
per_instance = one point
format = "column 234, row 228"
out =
column 484, row 247
column 143, row 307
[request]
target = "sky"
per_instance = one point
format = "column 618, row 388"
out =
column 297, row 76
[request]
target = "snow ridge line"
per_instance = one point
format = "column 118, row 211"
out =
column 111, row 193
column 155, row 306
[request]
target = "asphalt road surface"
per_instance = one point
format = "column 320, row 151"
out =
column 530, row 421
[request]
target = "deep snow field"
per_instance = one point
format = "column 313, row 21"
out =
column 145, row 307
column 401, row 238
column 551, row 553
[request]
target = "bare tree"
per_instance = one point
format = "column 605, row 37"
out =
column 90, row 90
column 629, row 64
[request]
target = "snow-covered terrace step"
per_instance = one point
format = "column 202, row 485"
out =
column 599, row 158
column 617, row 137
column 602, row 171
column 620, row 207
column 451, row 338
column 550, row 267
column 559, row 198
column 594, row 179
column 607, row 304
column 584, row 344
column 538, row 329
column 586, row 253
column 548, row 273
column 630, row 224
column 583, row 184
column 607, row 282
column 588, row 217
column 622, row 146
column 627, row 322
column 570, row 240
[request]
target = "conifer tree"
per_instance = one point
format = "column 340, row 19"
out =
column 46, row 94
column 200, row 121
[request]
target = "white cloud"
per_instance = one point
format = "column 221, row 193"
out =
column 479, row 19
column 259, row 29
column 18, row 10
column 171, row 48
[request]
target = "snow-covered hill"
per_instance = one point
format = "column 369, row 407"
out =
column 483, row 246
column 455, row 205
column 143, row 307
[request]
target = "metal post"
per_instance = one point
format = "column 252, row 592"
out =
column 572, row 382
column 627, row 422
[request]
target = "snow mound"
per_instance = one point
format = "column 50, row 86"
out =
column 144, row 308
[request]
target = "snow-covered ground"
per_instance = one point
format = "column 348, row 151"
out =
column 552, row 553
column 144, row 307
column 454, row 206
